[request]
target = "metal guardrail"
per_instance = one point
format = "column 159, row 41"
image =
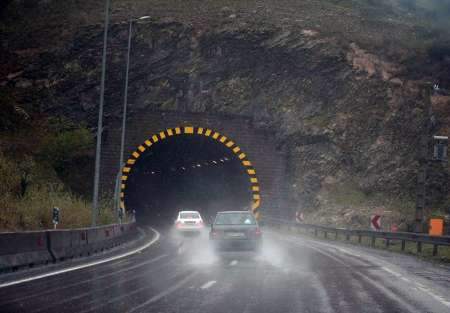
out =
column 403, row 237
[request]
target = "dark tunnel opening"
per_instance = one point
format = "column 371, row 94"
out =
column 186, row 172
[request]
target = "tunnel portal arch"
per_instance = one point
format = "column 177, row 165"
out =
column 194, row 131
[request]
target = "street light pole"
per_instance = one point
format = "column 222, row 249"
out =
column 100, row 121
column 124, row 117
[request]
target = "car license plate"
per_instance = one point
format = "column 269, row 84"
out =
column 235, row 235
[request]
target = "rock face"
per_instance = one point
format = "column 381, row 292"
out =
column 343, row 115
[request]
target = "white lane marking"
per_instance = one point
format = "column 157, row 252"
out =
column 126, row 269
column 233, row 263
column 208, row 284
column 405, row 279
column 391, row 272
column 440, row 299
column 166, row 292
column 74, row 268
column 416, row 285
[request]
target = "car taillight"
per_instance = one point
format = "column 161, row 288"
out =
column 258, row 232
column 178, row 224
column 200, row 223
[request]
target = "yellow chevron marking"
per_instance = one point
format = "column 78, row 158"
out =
column 256, row 205
column 251, row 172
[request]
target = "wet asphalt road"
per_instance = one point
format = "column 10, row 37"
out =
column 292, row 274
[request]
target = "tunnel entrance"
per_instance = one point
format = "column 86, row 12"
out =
column 186, row 172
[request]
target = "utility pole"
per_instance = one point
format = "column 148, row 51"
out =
column 100, row 121
column 425, row 166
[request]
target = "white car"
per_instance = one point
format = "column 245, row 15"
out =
column 189, row 221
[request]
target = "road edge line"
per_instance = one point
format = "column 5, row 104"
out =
column 89, row 264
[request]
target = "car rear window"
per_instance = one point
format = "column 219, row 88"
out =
column 235, row 219
column 187, row 215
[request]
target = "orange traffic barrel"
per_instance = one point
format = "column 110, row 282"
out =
column 436, row 227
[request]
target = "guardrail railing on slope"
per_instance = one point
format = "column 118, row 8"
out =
column 27, row 249
column 403, row 237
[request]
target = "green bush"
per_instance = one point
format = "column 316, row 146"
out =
column 65, row 147
column 37, row 166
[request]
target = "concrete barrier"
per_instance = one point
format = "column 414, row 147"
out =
column 60, row 244
column 27, row 249
column 24, row 249
column 79, row 242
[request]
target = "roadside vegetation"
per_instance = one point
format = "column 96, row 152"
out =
column 44, row 162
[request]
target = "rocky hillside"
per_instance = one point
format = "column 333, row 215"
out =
column 346, row 86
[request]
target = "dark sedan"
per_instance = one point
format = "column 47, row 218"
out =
column 232, row 230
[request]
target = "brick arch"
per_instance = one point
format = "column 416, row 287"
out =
column 199, row 131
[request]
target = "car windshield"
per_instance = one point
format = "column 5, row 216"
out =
column 235, row 219
column 187, row 215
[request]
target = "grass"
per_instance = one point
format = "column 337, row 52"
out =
column 34, row 210
column 345, row 204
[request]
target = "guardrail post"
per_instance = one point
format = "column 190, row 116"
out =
column 435, row 250
column 359, row 239
column 403, row 245
column 347, row 237
column 325, row 234
column 419, row 247
column 373, row 241
column 387, row 243
column 315, row 232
